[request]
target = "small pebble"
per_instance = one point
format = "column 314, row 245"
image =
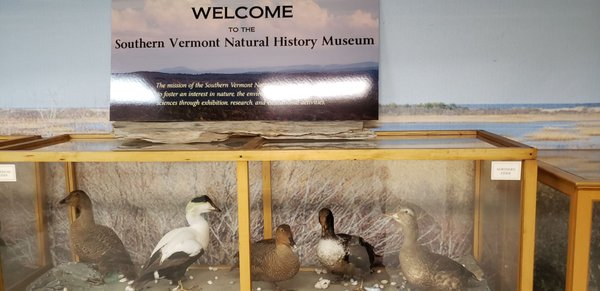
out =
column 393, row 283
column 258, row 288
column 354, row 283
column 191, row 277
column 231, row 282
column 216, row 277
column 378, row 271
column 209, row 282
column 384, row 282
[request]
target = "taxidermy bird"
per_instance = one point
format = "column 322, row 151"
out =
column 180, row 247
column 425, row 269
column 345, row 255
column 96, row 244
column 274, row 260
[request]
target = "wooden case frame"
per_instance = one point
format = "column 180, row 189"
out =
column 582, row 193
column 25, row 149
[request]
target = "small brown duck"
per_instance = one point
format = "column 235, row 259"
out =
column 96, row 244
column 274, row 260
column 345, row 255
column 425, row 269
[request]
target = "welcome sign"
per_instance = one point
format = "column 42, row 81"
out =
column 244, row 60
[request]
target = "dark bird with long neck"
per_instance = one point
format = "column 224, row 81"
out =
column 422, row 268
column 349, row 256
column 96, row 244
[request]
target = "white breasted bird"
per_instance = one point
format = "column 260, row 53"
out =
column 180, row 247
column 349, row 256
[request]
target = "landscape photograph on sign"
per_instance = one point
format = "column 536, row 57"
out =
column 244, row 60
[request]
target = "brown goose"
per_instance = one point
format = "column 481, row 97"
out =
column 274, row 260
column 425, row 269
column 96, row 244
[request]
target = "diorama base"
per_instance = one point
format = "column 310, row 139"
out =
column 78, row 276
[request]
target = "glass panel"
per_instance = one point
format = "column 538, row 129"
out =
column 594, row 277
column 99, row 145
column 583, row 163
column 381, row 143
column 500, row 229
column 20, row 252
column 551, row 232
column 359, row 194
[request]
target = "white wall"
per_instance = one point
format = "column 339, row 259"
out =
column 57, row 53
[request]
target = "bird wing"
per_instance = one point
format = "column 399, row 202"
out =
column 446, row 267
column 184, row 239
column 99, row 242
column 358, row 251
column 154, row 264
column 260, row 251
column 178, row 248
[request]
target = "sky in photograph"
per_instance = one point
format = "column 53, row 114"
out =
column 312, row 19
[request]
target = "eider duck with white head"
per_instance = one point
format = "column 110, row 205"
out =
column 180, row 247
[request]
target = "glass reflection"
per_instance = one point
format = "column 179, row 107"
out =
column 295, row 90
column 128, row 89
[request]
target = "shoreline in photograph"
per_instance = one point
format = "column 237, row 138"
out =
column 575, row 127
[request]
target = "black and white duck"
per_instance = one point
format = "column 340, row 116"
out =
column 349, row 256
column 422, row 268
column 180, row 247
column 96, row 244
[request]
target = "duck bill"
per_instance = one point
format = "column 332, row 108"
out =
column 390, row 216
column 215, row 208
column 65, row 200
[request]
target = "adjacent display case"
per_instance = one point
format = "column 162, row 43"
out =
column 470, row 194
column 568, row 236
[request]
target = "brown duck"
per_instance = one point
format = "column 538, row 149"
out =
column 274, row 260
column 425, row 269
column 96, row 244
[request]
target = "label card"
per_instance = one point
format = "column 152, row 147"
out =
column 506, row 170
column 8, row 173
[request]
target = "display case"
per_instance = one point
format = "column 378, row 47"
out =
column 568, row 236
column 471, row 193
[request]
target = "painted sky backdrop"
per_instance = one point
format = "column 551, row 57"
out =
column 57, row 53
column 165, row 19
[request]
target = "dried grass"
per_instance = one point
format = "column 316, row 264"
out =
column 142, row 201
column 556, row 134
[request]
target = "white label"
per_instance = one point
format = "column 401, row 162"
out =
column 8, row 173
column 506, row 170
